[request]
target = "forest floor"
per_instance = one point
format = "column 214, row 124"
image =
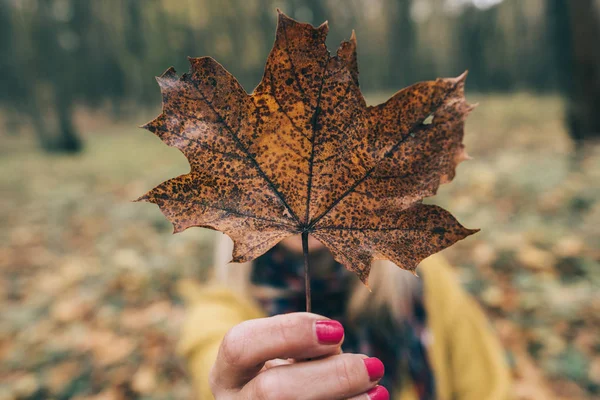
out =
column 88, row 280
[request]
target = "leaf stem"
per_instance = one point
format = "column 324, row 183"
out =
column 306, row 270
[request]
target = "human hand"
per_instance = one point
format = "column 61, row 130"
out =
column 292, row 356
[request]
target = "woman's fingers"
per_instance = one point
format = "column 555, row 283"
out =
column 258, row 360
column 247, row 346
column 337, row 377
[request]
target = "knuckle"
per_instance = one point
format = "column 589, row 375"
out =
column 267, row 387
column 346, row 373
column 232, row 346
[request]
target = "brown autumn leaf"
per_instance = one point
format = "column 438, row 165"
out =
column 303, row 153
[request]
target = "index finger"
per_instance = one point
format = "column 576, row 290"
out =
column 247, row 346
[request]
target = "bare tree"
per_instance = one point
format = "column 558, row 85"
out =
column 584, row 110
column 575, row 35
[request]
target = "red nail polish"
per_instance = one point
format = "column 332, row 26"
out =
column 329, row 332
column 378, row 393
column 375, row 368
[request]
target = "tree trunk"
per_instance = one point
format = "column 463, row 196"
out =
column 584, row 103
column 401, row 40
column 40, row 129
column 68, row 140
column 61, row 137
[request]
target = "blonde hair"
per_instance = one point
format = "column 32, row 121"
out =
column 393, row 288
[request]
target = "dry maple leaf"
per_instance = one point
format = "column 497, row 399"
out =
column 303, row 154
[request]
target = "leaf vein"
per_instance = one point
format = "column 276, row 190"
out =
column 241, row 146
column 370, row 171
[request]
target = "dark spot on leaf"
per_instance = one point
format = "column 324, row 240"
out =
column 304, row 154
column 438, row 230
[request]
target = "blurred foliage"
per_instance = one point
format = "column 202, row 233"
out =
column 108, row 49
column 56, row 54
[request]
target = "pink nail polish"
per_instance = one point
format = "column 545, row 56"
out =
column 329, row 332
column 375, row 368
column 378, row 393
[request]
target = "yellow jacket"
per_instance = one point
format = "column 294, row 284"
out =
column 467, row 360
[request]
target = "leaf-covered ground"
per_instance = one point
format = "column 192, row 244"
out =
column 88, row 279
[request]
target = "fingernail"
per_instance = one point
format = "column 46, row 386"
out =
column 375, row 368
column 329, row 332
column 378, row 393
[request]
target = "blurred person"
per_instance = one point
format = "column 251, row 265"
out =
column 245, row 336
